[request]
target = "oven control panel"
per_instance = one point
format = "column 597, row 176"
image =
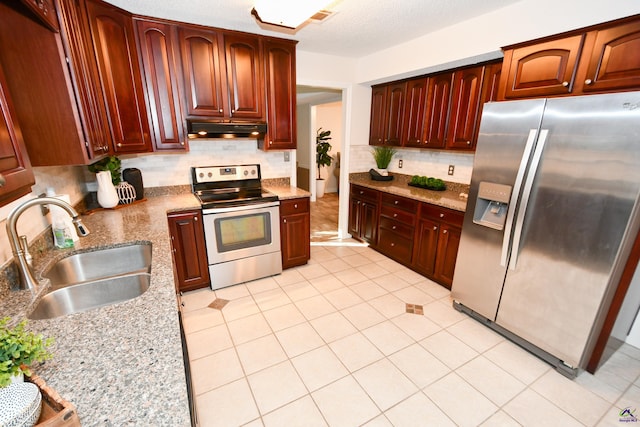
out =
column 225, row 173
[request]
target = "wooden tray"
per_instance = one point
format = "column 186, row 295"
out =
column 116, row 207
column 56, row 412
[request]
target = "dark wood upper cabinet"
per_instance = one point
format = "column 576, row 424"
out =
column 542, row 69
column 245, row 77
column 202, row 73
column 414, row 112
column 465, row 108
column 612, row 58
column 280, row 76
column 52, row 78
column 387, row 114
column 601, row 58
column 492, row 74
column 437, row 110
column 16, row 176
column 158, row 49
column 115, row 49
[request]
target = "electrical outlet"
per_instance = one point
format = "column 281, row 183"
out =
column 451, row 169
column 400, row 164
column 286, row 156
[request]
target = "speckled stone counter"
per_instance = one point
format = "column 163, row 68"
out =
column 287, row 192
column 450, row 198
column 121, row 364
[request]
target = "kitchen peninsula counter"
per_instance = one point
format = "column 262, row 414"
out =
column 454, row 197
column 121, row 364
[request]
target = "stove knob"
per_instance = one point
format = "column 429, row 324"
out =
column 253, row 171
column 210, row 175
column 246, row 173
column 201, row 175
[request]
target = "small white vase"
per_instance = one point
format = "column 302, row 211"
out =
column 383, row 172
column 107, row 194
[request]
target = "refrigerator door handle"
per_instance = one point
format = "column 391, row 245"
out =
column 506, row 239
column 537, row 155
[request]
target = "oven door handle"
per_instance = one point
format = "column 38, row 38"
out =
column 241, row 208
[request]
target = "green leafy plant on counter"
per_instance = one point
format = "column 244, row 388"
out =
column 19, row 349
column 111, row 164
column 429, row 183
column 382, row 156
column 322, row 149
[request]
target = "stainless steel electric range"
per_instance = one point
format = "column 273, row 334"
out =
column 241, row 223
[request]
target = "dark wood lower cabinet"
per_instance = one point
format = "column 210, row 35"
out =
column 295, row 232
column 421, row 236
column 188, row 250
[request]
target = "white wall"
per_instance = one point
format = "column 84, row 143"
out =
column 304, row 136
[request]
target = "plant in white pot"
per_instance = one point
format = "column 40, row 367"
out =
column 18, row 350
column 322, row 157
column 382, row 156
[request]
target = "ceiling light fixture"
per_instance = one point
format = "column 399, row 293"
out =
column 286, row 13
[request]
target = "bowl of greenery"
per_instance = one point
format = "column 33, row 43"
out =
column 428, row 183
column 20, row 348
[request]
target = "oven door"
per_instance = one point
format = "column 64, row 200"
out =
column 241, row 231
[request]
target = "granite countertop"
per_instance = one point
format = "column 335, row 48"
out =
column 287, row 192
column 121, row 364
column 454, row 197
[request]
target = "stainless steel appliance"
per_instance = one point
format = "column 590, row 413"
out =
column 241, row 223
column 552, row 212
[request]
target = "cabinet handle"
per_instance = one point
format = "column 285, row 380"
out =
column 284, row 220
column 195, row 218
column 270, row 142
column 565, row 84
column 295, row 206
column 441, row 215
column 395, row 202
column 361, row 192
column 418, row 141
column 220, row 110
column 119, row 144
column 181, row 142
column 393, row 244
column 233, row 111
column 588, row 81
column 393, row 228
column 395, row 215
column 3, row 180
column 435, row 227
column 444, row 231
column 468, row 142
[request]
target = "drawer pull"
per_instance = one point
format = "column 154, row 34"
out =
column 441, row 215
column 395, row 202
column 393, row 244
column 395, row 215
column 565, row 84
column 435, row 227
column 393, row 228
column 295, row 206
column 588, row 81
column 444, row 231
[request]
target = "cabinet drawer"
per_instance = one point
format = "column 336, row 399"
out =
column 401, row 229
column 364, row 193
column 293, row 206
column 397, row 214
column 395, row 246
column 441, row 214
column 400, row 202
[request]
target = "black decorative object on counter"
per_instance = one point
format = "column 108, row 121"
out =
column 375, row 175
column 134, row 177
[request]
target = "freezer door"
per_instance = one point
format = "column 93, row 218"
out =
column 508, row 132
column 580, row 202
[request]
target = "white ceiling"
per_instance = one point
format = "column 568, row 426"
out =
column 356, row 29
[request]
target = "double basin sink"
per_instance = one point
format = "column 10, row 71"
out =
column 98, row 278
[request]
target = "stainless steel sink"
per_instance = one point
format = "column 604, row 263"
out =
column 95, row 279
column 110, row 262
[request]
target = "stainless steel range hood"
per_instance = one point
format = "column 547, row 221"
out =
column 208, row 129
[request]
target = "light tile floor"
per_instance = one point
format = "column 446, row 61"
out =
column 331, row 343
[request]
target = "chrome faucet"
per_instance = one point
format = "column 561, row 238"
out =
column 27, row 281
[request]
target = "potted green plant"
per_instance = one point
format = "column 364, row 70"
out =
column 111, row 164
column 322, row 157
column 108, row 176
column 382, row 156
column 19, row 349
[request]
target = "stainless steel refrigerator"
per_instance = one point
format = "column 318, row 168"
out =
column 551, row 216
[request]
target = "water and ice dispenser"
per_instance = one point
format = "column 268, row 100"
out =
column 491, row 205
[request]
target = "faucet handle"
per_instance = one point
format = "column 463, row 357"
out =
column 24, row 245
column 80, row 227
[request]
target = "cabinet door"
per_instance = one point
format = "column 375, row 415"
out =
column 295, row 232
column 378, row 115
column 490, row 91
column 158, row 51
column 280, row 67
column 614, row 60
column 543, row 69
column 395, row 113
column 115, row 48
column 437, row 110
column 84, row 75
column 465, row 105
column 189, row 252
column 202, row 73
column 414, row 112
column 16, row 176
column 354, row 217
column 245, row 81
column 424, row 256
column 369, row 222
column 448, row 242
